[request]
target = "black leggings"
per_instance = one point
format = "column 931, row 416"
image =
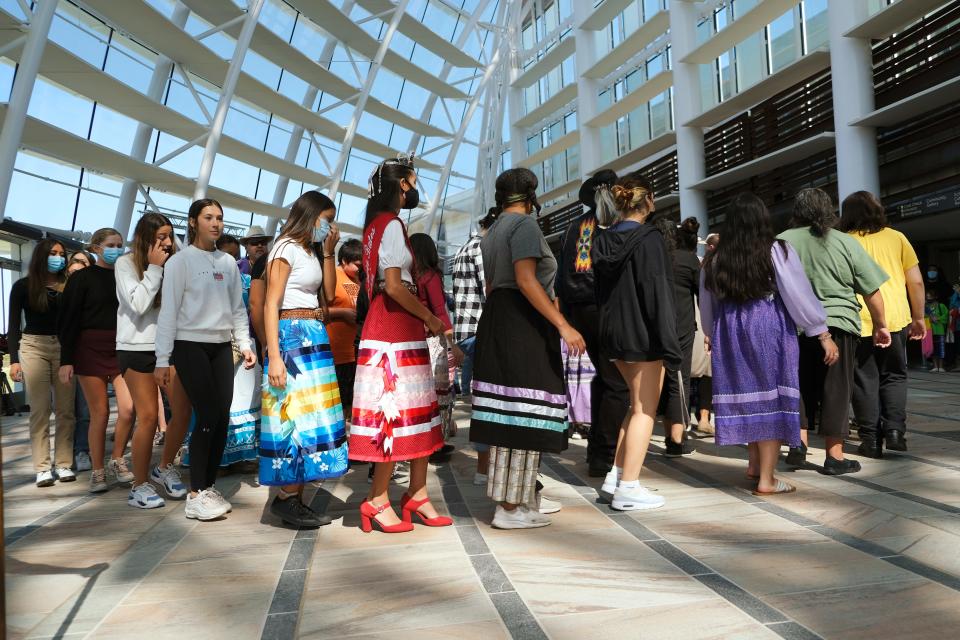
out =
column 206, row 372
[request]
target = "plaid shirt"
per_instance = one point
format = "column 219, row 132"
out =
column 468, row 289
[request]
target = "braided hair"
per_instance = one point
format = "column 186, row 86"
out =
column 514, row 186
column 384, row 192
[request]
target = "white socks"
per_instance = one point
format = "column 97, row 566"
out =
column 627, row 485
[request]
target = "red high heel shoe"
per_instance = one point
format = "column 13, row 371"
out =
column 369, row 513
column 409, row 506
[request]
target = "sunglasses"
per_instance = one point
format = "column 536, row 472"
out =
column 258, row 242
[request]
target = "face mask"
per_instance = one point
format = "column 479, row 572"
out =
column 932, row 275
column 411, row 199
column 112, row 254
column 55, row 264
column 321, row 231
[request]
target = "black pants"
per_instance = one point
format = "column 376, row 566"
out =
column 346, row 376
column 825, row 392
column 880, row 387
column 609, row 394
column 674, row 398
column 704, row 387
column 206, row 371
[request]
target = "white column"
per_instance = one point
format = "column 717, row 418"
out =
column 375, row 65
column 141, row 140
column 851, row 62
column 16, row 117
column 226, row 95
column 587, row 91
column 691, row 167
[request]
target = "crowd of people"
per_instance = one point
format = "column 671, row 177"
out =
column 311, row 356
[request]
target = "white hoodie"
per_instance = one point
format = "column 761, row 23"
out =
column 136, row 316
column 202, row 302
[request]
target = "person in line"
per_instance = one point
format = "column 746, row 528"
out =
column 469, row 296
column 256, row 243
column 201, row 310
column 303, row 435
column 880, row 376
column 35, row 361
column 576, row 290
column 87, row 327
column 395, row 412
column 935, row 280
column 519, row 400
column 139, row 277
column 681, row 242
column 426, row 263
column 701, row 371
column 954, row 326
column 342, row 319
column 938, row 317
column 638, row 330
column 80, row 259
column 230, row 244
column 838, row 269
column 754, row 295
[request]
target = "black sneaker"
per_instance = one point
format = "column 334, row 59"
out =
column 834, row 467
column 870, row 447
column 895, row 441
column 296, row 514
column 797, row 456
column 677, row 449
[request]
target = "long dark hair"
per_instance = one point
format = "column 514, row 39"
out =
column 687, row 234
column 668, row 229
column 741, row 267
column 514, row 186
column 37, row 274
column 303, row 218
column 385, row 193
column 813, row 208
column 194, row 214
column 425, row 254
column 144, row 236
column 862, row 213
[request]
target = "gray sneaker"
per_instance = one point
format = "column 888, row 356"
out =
column 98, row 481
column 119, row 470
column 204, row 506
column 82, row 461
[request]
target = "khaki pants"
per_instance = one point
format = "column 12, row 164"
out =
column 40, row 361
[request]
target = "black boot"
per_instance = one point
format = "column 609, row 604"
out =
column 895, row 441
column 870, row 447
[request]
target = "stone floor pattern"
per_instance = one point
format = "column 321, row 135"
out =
column 873, row 555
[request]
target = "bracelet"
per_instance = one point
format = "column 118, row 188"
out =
column 825, row 336
column 327, row 255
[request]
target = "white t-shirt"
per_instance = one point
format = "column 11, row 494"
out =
column 394, row 252
column 306, row 275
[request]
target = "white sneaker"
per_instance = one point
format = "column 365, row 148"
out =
column 520, row 518
column 82, row 461
column 45, row 479
column 65, row 474
column 576, row 436
column 144, row 496
column 480, row 479
column 219, row 496
column 98, row 481
column 635, row 499
column 204, row 506
column 119, row 469
column 546, row 505
column 170, row 480
column 610, row 482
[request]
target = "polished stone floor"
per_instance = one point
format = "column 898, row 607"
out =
column 873, row 555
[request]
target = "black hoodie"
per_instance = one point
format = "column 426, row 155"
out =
column 635, row 293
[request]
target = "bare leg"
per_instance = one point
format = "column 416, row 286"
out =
column 161, row 412
column 753, row 466
column 124, row 424
column 382, row 473
column 645, row 380
column 483, row 461
column 143, row 390
column 95, row 393
column 676, row 432
column 180, row 410
column 418, row 485
column 803, row 436
column 769, row 451
column 835, row 448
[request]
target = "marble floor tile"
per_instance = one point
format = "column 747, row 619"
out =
column 218, row 577
column 333, row 567
column 483, row 630
column 754, row 531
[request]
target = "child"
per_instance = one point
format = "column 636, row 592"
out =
column 936, row 314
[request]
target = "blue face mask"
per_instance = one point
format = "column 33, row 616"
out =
column 55, row 264
column 112, row 254
column 932, row 275
column 320, row 232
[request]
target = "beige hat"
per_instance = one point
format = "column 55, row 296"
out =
column 256, row 231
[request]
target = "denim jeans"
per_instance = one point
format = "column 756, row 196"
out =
column 81, row 440
column 466, row 376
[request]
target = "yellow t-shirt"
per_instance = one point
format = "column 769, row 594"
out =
column 892, row 251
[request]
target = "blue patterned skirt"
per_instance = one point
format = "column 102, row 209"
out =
column 756, row 360
column 302, row 433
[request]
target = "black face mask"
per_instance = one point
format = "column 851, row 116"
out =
column 411, row 198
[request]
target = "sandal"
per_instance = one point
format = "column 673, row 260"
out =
column 782, row 487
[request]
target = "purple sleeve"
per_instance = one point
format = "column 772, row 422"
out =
column 797, row 294
column 706, row 306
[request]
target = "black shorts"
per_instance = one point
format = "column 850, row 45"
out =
column 139, row 361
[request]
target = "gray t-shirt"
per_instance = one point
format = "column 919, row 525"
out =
column 513, row 237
